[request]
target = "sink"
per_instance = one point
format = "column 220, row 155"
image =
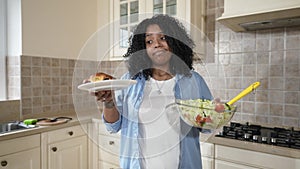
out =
column 13, row 126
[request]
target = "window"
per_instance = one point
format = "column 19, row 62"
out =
column 127, row 17
column 128, row 13
column 10, row 47
column 165, row 7
column 3, row 49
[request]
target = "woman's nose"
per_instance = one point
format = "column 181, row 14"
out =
column 157, row 43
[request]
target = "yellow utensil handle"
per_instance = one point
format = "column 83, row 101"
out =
column 244, row 92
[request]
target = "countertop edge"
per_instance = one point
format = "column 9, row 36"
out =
column 42, row 129
column 257, row 147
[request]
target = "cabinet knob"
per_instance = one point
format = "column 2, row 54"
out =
column 4, row 163
column 71, row 133
column 111, row 142
column 54, row 149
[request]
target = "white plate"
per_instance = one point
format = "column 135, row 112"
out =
column 106, row 85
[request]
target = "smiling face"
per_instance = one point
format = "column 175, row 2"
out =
column 157, row 47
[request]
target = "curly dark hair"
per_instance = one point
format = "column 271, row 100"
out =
column 180, row 43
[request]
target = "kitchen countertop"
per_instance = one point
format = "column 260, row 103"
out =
column 258, row 147
column 41, row 129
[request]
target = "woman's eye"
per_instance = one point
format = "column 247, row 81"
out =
column 163, row 38
column 149, row 41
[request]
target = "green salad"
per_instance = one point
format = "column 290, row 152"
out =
column 202, row 113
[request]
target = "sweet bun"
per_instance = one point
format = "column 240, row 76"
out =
column 99, row 76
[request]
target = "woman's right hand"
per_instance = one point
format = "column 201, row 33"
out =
column 106, row 97
column 111, row 114
column 103, row 96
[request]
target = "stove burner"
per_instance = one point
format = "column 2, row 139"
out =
column 265, row 135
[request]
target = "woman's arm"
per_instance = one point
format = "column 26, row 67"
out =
column 110, row 112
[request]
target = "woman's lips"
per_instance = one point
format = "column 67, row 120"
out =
column 159, row 53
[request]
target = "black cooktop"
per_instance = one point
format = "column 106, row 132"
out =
column 285, row 137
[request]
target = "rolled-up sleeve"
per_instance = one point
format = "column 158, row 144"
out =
column 112, row 127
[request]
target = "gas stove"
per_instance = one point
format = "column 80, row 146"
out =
column 265, row 135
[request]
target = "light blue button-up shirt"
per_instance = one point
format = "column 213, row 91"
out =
column 128, row 102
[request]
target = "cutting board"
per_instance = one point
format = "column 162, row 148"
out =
column 48, row 122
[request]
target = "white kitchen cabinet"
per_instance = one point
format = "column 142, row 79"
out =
column 20, row 153
column 108, row 148
column 235, row 158
column 65, row 148
column 207, row 155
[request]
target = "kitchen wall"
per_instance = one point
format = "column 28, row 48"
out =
column 57, row 28
column 234, row 61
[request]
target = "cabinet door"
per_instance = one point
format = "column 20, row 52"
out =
column 109, row 149
column 68, row 154
column 207, row 163
column 219, row 164
column 29, row 159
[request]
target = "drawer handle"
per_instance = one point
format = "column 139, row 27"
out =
column 71, row 133
column 111, row 142
column 54, row 149
column 4, row 163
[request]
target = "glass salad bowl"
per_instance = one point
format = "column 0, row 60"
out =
column 204, row 114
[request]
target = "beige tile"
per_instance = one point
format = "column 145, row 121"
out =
column 292, row 110
column 276, row 96
column 46, row 62
column 36, row 61
column 276, row 110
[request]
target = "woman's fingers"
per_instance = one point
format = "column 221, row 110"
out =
column 104, row 96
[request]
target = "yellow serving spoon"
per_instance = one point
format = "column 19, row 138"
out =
column 244, row 92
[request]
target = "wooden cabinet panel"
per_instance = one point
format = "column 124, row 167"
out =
column 29, row 159
column 254, row 159
column 65, row 148
column 20, row 153
column 69, row 154
column 104, row 165
column 219, row 164
column 65, row 133
column 109, row 149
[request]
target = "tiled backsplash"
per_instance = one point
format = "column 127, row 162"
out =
column 270, row 56
column 46, row 85
column 49, row 85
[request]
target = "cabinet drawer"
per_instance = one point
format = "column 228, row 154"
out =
column 207, row 149
column 254, row 159
column 109, row 149
column 207, row 163
column 227, row 165
column 29, row 159
column 104, row 165
column 19, row 144
column 103, row 131
column 66, row 133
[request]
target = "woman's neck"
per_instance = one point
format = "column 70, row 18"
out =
column 159, row 74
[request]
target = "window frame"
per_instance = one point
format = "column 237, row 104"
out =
column 3, row 49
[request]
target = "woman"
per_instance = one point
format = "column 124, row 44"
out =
column 159, row 58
